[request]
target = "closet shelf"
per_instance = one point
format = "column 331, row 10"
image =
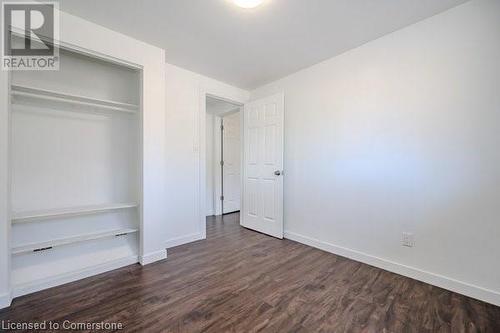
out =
column 24, row 217
column 50, row 95
column 40, row 246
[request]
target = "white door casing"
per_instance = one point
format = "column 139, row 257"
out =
column 263, row 165
column 232, row 162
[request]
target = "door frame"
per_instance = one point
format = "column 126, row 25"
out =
column 199, row 146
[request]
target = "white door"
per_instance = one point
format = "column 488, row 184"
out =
column 263, row 166
column 232, row 163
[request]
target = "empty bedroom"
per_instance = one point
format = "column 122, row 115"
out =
column 250, row 166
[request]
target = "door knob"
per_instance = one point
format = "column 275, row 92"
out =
column 277, row 173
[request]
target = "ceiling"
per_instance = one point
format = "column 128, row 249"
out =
column 251, row 47
column 219, row 107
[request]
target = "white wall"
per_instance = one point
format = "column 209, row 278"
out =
column 210, row 144
column 186, row 167
column 402, row 135
column 5, row 292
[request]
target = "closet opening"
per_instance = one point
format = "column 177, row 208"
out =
column 76, row 170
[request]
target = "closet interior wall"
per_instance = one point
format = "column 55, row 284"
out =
column 75, row 170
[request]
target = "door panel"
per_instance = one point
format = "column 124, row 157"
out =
column 232, row 163
column 263, row 156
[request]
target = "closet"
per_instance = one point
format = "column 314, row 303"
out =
column 75, row 162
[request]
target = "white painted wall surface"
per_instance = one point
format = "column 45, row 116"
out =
column 402, row 135
column 186, row 167
column 5, row 292
column 210, row 144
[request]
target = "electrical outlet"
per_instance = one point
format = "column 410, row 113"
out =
column 407, row 239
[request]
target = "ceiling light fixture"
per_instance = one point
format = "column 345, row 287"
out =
column 247, row 3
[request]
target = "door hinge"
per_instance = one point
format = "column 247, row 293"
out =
column 221, row 127
column 222, row 198
column 222, row 163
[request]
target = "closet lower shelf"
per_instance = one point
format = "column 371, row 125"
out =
column 23, row 217
column 41, row 246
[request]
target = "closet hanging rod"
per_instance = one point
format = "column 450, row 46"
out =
column 50, row 95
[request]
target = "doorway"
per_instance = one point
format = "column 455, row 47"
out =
column 223, row 157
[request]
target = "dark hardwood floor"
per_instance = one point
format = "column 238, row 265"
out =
column 242, row 281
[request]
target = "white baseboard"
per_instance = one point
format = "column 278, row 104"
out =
column 483, row 294
column 183, row 240
column 53, row 281
column 5, row 300
column 152, row 257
